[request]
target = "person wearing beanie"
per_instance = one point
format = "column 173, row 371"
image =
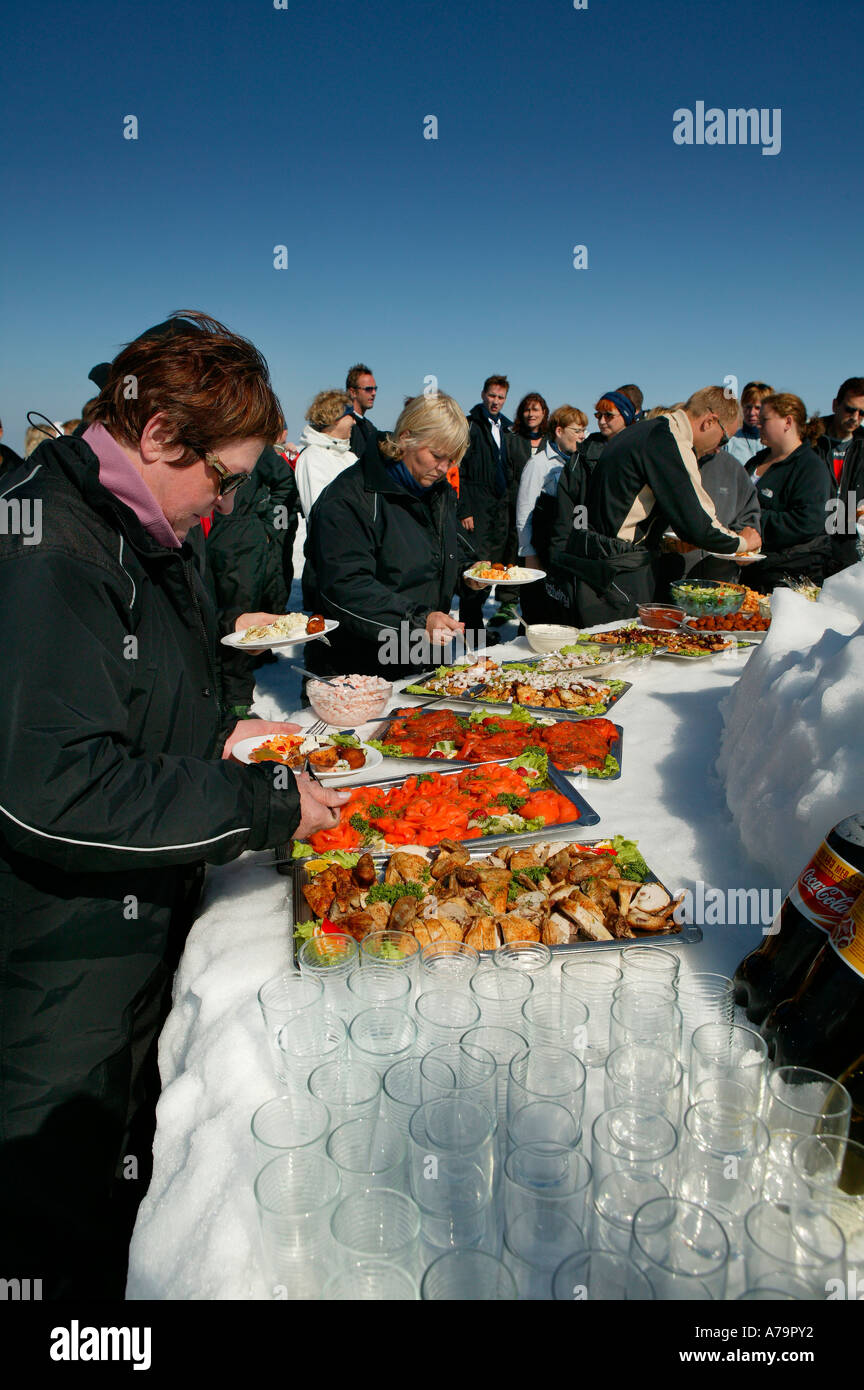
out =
column 613, row 412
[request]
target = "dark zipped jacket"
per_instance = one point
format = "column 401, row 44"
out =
column 850, row 485
column 112, row 790
column 377, row 556
column 793, row 496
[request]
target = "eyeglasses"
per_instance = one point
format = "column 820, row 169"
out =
column 852, row 410
column 725, row 440
column 606, row 414
column 227, row 481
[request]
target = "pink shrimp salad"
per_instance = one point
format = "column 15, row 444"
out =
column 358, row 699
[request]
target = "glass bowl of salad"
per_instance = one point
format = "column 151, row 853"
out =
column 707, row 598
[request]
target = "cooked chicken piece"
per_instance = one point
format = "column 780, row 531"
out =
column 523, row 859
column 404, row 868
column 380, row 912
column 478, row 902
column 617, row 925
column 357, row 924
column 625, row 889
column 495, row 862
column 599, row 893
column 364, row 871
column 495, row 884
column 562, row 890
column 442, row 929
column 528, row 883
column 586, row 914
column 458, row 851
column 445, row 864
column 457, row 910
column 593, row 931
column 402, row 914
column 324, row 758
column 343, row 883
column 354, row 757
column 469, row 877
column 483, row 936
column 558, row 864
column 515, row 928
column 319, row 892
column 352, row 902
column 422, row 934
column 651, row 897
column 588, row 868
column 527, row 902
column 557, row 931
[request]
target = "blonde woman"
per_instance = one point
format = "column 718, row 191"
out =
column 325, row 445
column 385, row 549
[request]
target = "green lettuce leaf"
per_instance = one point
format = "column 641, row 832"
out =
column 629, row 858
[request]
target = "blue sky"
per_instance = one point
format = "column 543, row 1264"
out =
column 303, row 127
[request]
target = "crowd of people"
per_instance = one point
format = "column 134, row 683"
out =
column 168, row 516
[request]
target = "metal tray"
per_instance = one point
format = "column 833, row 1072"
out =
column 470, row 699
column 687, row 935
column 615, row 749
column 587, row 816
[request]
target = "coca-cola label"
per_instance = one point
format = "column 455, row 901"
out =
column 826, row 890
column 847, row 937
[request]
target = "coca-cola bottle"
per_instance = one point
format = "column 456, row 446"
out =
column 820, row 898
column 821, row 1025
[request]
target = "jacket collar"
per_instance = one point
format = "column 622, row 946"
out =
column 478, row 414
column 378, row 478
column 76, row 462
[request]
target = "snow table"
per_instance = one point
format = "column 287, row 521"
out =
column 197, row 1234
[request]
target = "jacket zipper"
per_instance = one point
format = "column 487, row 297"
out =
column 201, row 627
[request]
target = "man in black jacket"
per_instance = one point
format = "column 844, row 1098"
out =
column 649, row 480
column 362, row 388
column 485, row 479
column 116, row 784
column 841, row 446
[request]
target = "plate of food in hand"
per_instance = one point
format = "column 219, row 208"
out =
column 329, row 755
column 289, row 630
column 485, row 573
column 590, row 893
column 592, row 746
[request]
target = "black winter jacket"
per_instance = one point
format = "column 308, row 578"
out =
column 849, row 492
column 112, row 790
column 793, row 496
column 478, row 488
column 249, row 554
column 377, row 556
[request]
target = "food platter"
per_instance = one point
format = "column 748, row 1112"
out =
column 435, row 683
column 535, row 727
column 435, row 787
column 234, row 639
column 463, row 897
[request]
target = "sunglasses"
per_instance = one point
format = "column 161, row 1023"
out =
column 228, row 482
column 606, row 414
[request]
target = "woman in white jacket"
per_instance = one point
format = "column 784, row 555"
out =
column 325, row 448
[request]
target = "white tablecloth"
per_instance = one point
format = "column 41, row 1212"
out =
column 196, row 1236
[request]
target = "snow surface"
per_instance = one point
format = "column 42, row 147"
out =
column 791, row 765
column 792, row 755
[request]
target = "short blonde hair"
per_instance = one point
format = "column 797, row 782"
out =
column 35, row 435
column 713, row 400
column 327, row 408
column 567, row 415
column 432, row 422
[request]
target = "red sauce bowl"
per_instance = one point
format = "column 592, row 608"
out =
column 662, row 615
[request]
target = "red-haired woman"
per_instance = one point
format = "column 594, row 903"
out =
column 116, row 780
column 793, row 488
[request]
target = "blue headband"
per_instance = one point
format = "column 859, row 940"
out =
column 624, row 404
